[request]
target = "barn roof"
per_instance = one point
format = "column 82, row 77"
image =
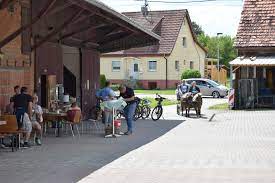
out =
column 257, row 24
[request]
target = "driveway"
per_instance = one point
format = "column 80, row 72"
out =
column 67, row 160
column 237, row 146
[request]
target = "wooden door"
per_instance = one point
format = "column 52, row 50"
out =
column 90, row 71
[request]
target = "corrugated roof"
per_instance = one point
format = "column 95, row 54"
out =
column 254, row 61
column 257, row 25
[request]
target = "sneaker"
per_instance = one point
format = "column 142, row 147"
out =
column 38, row 142
column 128, row 133
column 26, row 145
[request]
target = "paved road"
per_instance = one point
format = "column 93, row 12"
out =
column 170, row 112
column 64, row 160
column 238, row 147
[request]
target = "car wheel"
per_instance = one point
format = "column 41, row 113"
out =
column 216, row 94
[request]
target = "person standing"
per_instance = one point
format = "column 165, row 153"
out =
column 129, row 97
column 106, row 94
column 23, row 112
column 10, row 107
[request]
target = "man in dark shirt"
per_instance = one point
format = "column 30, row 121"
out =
column 23, row 111
column 129, row 111
column 10, row 107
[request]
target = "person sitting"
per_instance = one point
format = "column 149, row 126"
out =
column 194, row 89
column 36, row 119
column 181, row 89
column 74, row 106
column 72, row 111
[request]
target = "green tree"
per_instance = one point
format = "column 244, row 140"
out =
column 197, row 29
column 226, row 44
column 102, row 81
column 190, row 74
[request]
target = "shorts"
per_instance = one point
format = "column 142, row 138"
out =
column 27, row 124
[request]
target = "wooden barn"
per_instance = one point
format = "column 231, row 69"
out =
column 253, row 72
column 49, row 45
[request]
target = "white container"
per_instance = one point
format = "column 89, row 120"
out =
column 66, row 99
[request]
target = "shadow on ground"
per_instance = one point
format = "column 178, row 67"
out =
column 65, row 160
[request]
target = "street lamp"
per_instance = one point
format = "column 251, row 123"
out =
column 218, row 63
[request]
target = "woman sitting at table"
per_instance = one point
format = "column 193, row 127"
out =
column 36, row 119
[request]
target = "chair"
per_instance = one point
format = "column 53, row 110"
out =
column 73, row 119
column 10, row 129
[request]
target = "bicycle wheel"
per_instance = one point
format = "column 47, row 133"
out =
column 145, row 112
column 138, row 113
column 156, row 113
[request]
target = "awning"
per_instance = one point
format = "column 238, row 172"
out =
column 86, row 24
column 254, row 61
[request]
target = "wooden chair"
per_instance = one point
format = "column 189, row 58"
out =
column 75, row 121
column 10, row 129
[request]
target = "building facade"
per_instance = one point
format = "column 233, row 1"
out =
column 253, row 72
column 54, row 46
column 158, row 66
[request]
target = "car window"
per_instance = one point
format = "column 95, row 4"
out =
column 189, row 81
column 199, row 82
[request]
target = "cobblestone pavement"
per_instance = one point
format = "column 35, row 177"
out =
column 64, row 160
column 237, row 146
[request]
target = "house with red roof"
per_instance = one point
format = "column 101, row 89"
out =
column 161, row 65
column 253, row 72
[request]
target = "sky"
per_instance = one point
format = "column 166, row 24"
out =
column 220, row 16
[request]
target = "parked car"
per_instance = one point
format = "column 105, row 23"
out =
column 209, row 87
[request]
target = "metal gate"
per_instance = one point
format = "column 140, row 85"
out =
column 248, row 93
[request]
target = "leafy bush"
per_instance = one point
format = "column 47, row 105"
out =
column 190, row 74
column 102, row 81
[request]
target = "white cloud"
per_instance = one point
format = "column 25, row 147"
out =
column 213, row 17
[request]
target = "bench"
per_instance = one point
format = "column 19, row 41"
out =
column 9, row 128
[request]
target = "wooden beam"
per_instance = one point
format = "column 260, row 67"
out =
column 43, row 12
column 112, row 38
column 56, row 31
column 82, row 29
column 111, row 20
column 61, row 8
column 99, row 36
column 78, row 43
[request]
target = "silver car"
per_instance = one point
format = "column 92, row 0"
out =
column 209, row 87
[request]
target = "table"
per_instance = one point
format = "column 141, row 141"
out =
column 56, row 117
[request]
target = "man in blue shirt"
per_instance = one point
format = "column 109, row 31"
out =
column 106, row 93
column 181, row 89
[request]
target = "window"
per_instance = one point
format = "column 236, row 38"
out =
column 177, row 65
column 115, row 65
column 135, row 67
column 191, row 65
column 184, row 42
column 152, row 65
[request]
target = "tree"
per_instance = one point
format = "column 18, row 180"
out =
column 197, row 29
column 190, row 74
column 102, row 80
column 226, row 44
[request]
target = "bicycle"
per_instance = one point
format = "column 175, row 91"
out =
column 96, row 111
column 137, row 114
column 158, row 110
column 145, row 108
